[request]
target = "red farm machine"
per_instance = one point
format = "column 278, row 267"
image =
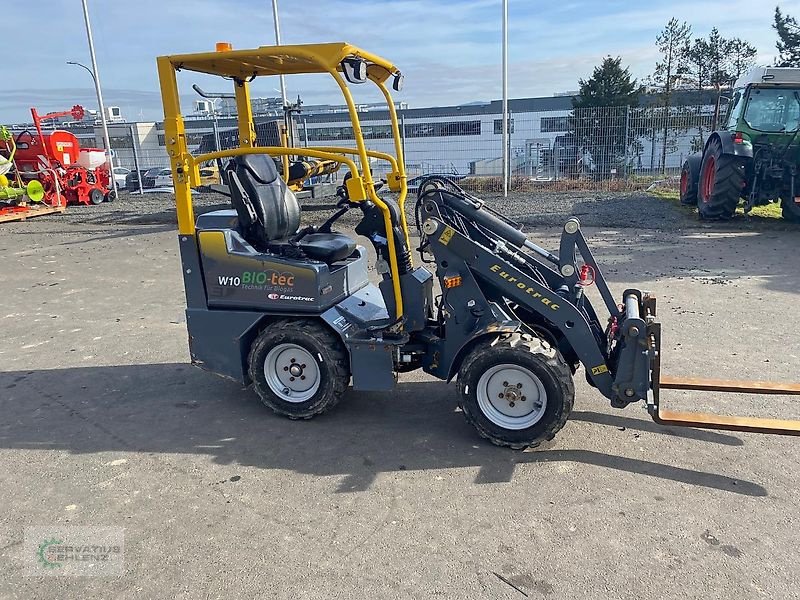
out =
column 68, row 173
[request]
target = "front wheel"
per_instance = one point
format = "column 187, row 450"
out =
column 516, row 390
column 299, row 368
column 96, row 196
column 690, row 176
column 791, row 209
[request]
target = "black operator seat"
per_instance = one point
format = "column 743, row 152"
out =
column 269, row 213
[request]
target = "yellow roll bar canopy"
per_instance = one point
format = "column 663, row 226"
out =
column 282, row 60
column 242, row 66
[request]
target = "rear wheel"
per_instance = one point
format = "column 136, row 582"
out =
column 299, row 368
column 722, row 179
column 516, row 390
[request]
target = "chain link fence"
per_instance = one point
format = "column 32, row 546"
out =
column 607, row 149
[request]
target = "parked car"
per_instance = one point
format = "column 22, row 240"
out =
column 121, row 177
column 209, row 174
column 163, row 178
column 148, row 177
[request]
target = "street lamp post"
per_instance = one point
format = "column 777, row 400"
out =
column 506, row 153
column 278, row 43
column 96, row 77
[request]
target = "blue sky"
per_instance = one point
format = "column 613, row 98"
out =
column 448, row 50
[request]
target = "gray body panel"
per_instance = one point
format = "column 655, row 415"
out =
column 240, row 277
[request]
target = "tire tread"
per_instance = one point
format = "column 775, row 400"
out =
column 274, row 334
column 553, row 360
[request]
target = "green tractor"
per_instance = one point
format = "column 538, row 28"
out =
column 755, row 157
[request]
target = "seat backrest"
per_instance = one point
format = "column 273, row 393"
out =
column 257, row 189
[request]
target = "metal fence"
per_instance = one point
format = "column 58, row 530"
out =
column 598, row 148
column 606, row 148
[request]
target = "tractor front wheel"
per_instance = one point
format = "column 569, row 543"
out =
column 791, row 208
column 722, row 180
column 690, row 177
column 299, row 368
column 516, row 390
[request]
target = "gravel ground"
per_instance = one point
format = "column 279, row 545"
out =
column 635, row 210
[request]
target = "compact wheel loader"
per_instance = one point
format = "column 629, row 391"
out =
column 292, row 311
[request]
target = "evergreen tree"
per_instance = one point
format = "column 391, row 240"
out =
column 788, row 43
column 609, row 85
column 599, row 122
column 741, row 57
column 671, row 44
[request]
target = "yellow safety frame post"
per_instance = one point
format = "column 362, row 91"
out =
column 370, row 189
column 244, row 114
column 400, row 180
column 177, row 149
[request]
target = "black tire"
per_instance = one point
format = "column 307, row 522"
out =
column 722, row 181
column 111, row 196
column 533, row 356
column 322, row 346
column 790, row 210
column 96, row 196
column 690, row 178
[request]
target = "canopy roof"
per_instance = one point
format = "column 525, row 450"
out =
column 281, row 60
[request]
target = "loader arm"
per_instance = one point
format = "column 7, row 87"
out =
column 625, row 366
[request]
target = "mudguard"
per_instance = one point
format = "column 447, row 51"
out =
column 729, row 146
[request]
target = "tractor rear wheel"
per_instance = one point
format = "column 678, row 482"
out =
column 299, row 368
column 516, row 390
column 690, row 177
column 722, row 180
column 96, row 196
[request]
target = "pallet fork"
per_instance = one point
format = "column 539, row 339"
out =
column 664, row 416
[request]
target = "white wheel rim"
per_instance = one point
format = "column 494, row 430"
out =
column 292, row 373
column 511, row 397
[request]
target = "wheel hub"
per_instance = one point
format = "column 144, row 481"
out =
column 511, row 396
column 291, row 372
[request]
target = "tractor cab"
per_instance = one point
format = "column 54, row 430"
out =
column 765, row 101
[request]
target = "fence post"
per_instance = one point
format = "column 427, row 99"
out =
column 403, row 135
column 134, row 137
column 216, row 134
column 627, row 133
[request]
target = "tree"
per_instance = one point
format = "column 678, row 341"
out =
column 696, row 73
column 609, row 85
column 671, row 44
column 741, row 57
column 788, row 43
column 599, row 119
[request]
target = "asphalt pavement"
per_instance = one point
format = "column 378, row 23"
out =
column 393, row 495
